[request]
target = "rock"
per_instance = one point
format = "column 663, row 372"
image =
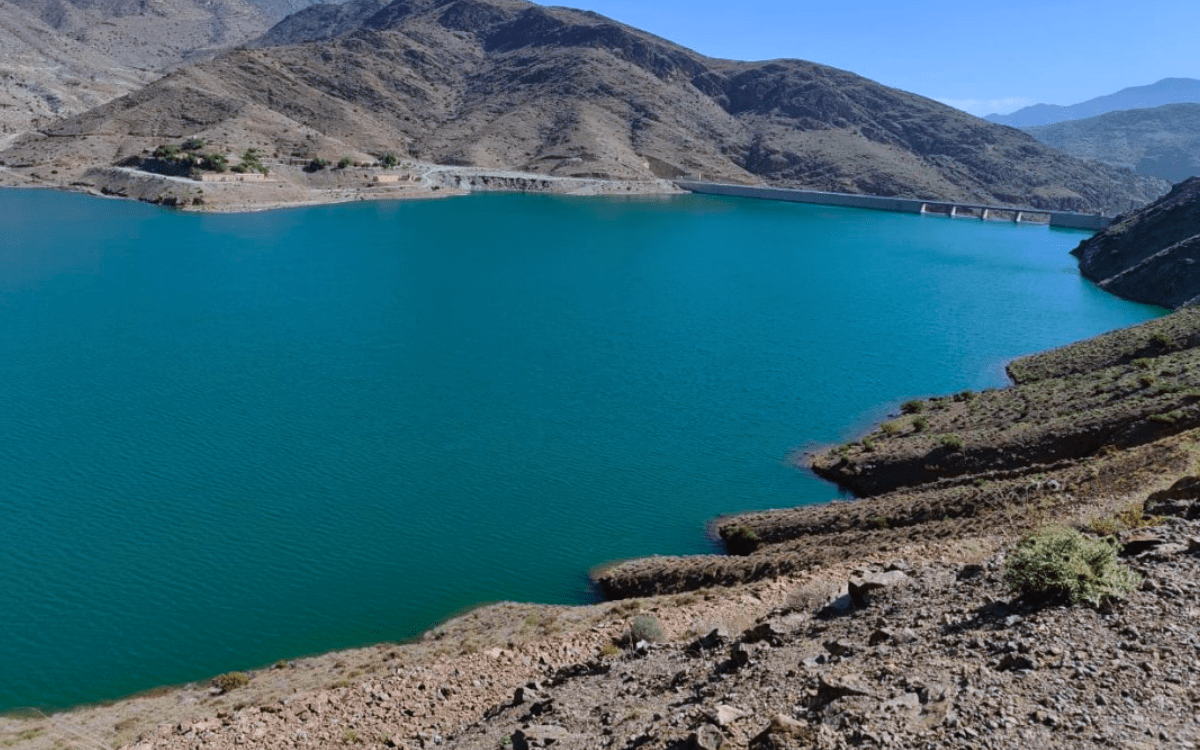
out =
column 726, row 715
column 839, row 648
column 715, row 639
column 1141, row 542
column 706, row 737
column 764, row 631
column 1014, row 662
column 739, row 655
column 784, row 732
column 882, row 635
column 1181, row 499
column 830, row 688
column 861, row 587
column 539, row 735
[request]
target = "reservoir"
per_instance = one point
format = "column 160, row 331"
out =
column 229, row 439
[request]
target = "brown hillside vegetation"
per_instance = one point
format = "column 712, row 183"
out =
column 508, row 84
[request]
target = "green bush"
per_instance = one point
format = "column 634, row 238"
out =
column 916, row 406
column 214, row 162
column 231, row 681
column 920, row 423
column 952, row 442
column 890, row 428
column 1064, row 565
column 344, row 162
column 316, row 165
column 645, row 628
column 739, row 540
column 193, row 144
column 389, row 160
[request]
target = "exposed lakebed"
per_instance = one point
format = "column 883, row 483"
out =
column 229, row 439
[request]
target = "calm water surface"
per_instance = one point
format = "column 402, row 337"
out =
column 230, row 439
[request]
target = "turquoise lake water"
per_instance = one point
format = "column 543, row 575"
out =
column 230, row 439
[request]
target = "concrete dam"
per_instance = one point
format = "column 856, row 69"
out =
column 1064, row 219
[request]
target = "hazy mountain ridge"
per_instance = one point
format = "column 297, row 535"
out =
column 510, row 85
column 1158, row 142
column 1166, row 91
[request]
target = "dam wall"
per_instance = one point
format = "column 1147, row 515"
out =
column 1063, row 219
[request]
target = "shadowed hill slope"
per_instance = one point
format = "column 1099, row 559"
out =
column 509, row 84
column 1152, row 255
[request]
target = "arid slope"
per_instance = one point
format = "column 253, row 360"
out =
column 509, row 84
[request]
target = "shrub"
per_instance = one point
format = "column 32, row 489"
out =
column 389, row 160
column 645, row 628
column 230, row 681
column 920, row 423
column 952, row 442
column 880, row 522
column 1062, row 564
column 739, row 540
column 193, row 144
column 1160, row 340
column 1132, row 516
column 868, row 444
column 251, row 161
column 916, row 406
column 890, row 428
column 316, row 165
column 344, row 162
column 214, row 162
column 165, row 151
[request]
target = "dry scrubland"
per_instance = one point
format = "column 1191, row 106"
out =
column 883, row 622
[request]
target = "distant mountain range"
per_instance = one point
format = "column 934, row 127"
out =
column 1158, row 142
column 513, row 85
column 1166, row 91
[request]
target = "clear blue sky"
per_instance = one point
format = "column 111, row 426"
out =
column 982, row 57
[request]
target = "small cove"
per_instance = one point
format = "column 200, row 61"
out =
column 229, row 439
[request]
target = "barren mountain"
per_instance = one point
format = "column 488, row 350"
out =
column 45, row 75
column 159, row 34
column 509, row 84
column 1151, row 255
column 1156, row 142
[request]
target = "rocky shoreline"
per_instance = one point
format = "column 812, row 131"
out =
column 290, row 185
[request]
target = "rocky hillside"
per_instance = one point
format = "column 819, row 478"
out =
column 159, row 34
column 509, row 84
column 1159, row 142
column 45, row 75
column 1166, row 91
column 1150, row 255
column 63, row 57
